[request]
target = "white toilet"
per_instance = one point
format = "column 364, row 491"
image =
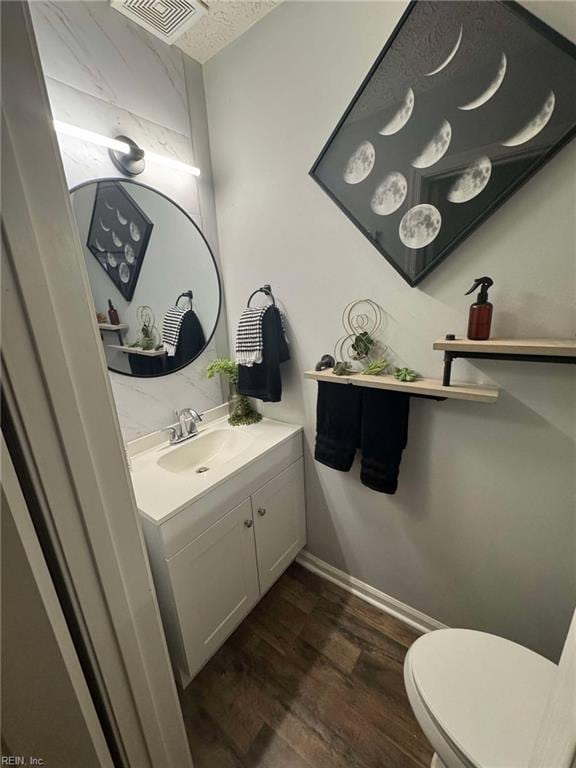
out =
column 479, row 699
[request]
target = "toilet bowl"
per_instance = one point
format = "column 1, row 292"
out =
column 478, row 698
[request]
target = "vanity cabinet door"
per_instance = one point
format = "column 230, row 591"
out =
column 280, row 522
column 215, row 583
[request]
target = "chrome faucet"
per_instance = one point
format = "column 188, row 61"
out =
column 186, row 425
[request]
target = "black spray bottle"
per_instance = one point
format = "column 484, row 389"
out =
column 480, row 317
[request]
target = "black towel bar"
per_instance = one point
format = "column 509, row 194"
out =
column 186, row 295
column 266, row 290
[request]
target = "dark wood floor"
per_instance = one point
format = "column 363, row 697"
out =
column 311, row 679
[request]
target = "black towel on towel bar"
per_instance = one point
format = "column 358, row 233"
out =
column 338, row 421
column 384, row 437
column 263, row 380
column 191, row 342
column 375, row 420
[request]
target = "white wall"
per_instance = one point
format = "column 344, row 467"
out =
column 481, row 531
column 106, row 74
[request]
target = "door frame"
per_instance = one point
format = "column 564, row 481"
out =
column 13, row 505
column 65, row 439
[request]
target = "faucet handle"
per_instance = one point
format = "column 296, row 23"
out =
column 191, row 413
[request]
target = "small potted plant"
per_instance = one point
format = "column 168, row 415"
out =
column 241, row 412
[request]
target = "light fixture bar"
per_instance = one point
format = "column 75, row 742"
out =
column 122, row 147
column 94, row 138
column 170, row 162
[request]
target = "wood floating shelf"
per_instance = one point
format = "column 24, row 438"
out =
column 117, row 328
column 110, row 327
column 135, row 350
column 426, row 387
column 496, row 347
column 519, row 350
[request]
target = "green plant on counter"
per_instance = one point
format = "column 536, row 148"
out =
column 225, row 367
column 405, row 374
column 376, row 367
column 241, row 410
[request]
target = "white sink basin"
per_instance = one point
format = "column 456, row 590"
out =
column 168, row 478
column 206, row 451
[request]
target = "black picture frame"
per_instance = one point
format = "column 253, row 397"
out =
column 512, row 168
column 116, row 211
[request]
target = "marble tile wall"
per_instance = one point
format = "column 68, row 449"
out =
column 93, row 48
column 106, row 74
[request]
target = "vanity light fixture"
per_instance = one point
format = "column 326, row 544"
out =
column 126, row 155
column 94, row 138
column 170, row 162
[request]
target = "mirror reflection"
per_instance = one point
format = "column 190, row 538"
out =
column 154, row 280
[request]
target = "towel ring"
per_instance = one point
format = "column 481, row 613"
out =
column 186, row 295
column 266, row 290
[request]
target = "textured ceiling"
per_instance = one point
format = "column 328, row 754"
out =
column 225, row 21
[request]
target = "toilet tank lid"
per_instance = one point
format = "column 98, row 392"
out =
column 486, row 693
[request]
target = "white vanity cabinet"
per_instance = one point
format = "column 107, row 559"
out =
column 213, row 560
column 280, row 523
column 215, row 583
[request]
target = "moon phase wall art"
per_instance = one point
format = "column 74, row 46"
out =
column 466, row 102
column 118, row 235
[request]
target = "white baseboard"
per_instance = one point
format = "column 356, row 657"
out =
column 375, row 597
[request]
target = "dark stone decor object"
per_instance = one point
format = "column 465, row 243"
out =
column 118, row 236
column 464, row 104
column 325, row 362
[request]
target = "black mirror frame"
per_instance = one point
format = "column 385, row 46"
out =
column 124, row 180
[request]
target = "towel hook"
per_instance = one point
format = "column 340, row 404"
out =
column 266, row 290
column 186, row 295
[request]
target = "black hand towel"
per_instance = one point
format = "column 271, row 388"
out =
column 191, row 341
column 263, row 380
column 140, row 365
column 384, row 437
column 338, row 421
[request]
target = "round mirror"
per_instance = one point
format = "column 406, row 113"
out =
column 154, row 280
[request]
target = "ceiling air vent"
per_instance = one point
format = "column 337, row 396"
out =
column 167, row 19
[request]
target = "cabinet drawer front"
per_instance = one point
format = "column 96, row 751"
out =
column 215, row 583
column 280, row 522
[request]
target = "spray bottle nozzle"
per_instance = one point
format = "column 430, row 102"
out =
column 484, row 283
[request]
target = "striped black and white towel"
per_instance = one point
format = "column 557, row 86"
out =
column 249, row 347
column 171, row 329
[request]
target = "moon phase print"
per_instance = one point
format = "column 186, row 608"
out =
column 118, row 235
column 464, row 104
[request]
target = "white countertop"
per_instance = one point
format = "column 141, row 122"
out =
column 160, row 493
